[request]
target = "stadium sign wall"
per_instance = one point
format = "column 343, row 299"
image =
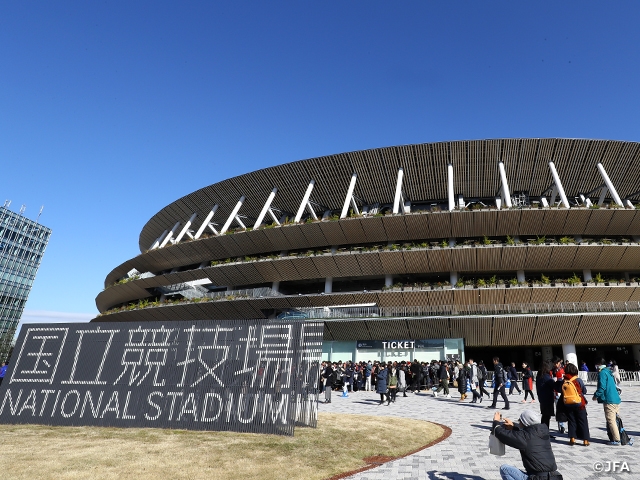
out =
column 246, row 376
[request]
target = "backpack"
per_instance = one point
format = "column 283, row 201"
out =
column 570, row 393
column 624, row 436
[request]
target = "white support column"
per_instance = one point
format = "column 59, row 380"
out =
column 207, row 219
column 453, row 278
column 349, row 197
column 170, row 235
column 450, row 194
column 156, row 244
column 388, row 280
column 607, row 181
column 569, row 353
column 273, row 216
column 265, row 209
column 506, row 194
column 305, row 199
column 275, row 286
column 603, row 195
column 498, row 203
column 586, row 275
column 354, row 205
column 328, row 285
column 558, row 184
column 232, row 217
column 239, row 220
column 520, row 276
column 185, row 228
column 398, row 194
column 311, row 211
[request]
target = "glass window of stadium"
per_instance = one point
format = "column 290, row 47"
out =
column 393, row 350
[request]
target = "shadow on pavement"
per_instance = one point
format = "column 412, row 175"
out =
column 436, row 475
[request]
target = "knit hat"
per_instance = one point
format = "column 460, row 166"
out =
column 529, row 417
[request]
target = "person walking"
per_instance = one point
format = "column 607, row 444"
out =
column 473, row 373
column 482, row 378
column 527, row 382
column 381, row 382
column 545, row 384
column 443, row 379
column 584, row 372
column 561, row 416
column 531, row 437
column 607, row 394
column 513, row 376
column 499, row 379
column 575, row 405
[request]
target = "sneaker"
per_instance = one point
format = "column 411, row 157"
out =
column 447, row 396
column 435, row 394
column 613, row 443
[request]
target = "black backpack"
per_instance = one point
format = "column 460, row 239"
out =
column 624, row 436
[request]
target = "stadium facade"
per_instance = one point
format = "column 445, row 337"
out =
column 22, row 245
column 529, row 247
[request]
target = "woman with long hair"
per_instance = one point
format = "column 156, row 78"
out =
column 546, row 394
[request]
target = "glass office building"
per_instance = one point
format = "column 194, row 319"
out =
column 22, row 245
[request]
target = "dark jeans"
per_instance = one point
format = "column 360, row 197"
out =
column 528, row 392
column 483, row 390
column 514, row 384
column 382, row 397
column 546, row 419
column 578, row 423
column 500, row 390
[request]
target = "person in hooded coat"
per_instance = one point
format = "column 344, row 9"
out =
column 381, row 382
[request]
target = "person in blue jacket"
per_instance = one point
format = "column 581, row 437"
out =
column 381, row 384
column 607, row 394
column 3, row 371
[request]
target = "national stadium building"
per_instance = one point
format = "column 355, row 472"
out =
column 525, row 248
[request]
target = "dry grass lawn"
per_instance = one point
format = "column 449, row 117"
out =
column 338, row 445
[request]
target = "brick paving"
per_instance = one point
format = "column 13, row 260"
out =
column 465, row 454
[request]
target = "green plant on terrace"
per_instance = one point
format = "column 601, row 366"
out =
column 460, row 283
column 574, row 279
column 510, row 240
column 544, row 279
column 493, row 280
column 444, row 244
column 486, row 241
column 566, row 240
column 482, row 282
column 598, row 278
column 513, row 281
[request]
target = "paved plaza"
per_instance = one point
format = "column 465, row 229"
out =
column 465, row 454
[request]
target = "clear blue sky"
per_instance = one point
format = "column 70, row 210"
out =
column 109, row 111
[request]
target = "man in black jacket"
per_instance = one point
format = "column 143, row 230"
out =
column 532, row 439
column 499, row 379
column 330, row 377
column 416, row 373
column 513, row 376
column 443, row 377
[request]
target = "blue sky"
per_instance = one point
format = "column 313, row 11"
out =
column 109, row 111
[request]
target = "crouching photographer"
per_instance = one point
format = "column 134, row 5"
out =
column 532, row 439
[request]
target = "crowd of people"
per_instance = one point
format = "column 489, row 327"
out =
column 560, row 387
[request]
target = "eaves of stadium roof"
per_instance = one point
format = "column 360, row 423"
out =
column 578, row 163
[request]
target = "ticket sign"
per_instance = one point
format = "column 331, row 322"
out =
column 247, row 376
column 400, row 344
